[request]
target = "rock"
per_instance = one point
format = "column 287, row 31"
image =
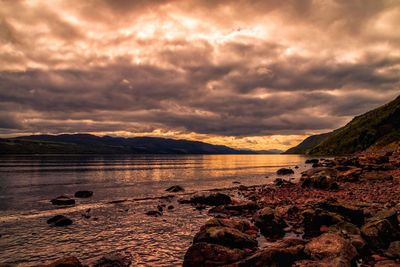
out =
column 240, row 225
column 170, row 207
column 204, row 254
column 284, row 171
column 270, row 256
column 175, row 188
column 225, row 236
column 154, row 213
column 394, row 250
column 313, row 220
column 83, row 194
column 345, row 228
column 211, row 200
column 63, row 200
column 270, row 225
column 312, row 161
column 350, row 175
column 387, row 214
column 379, row 233
column 66, row 262
column 321, row 178
column 282, row 182
column 387, row 263
column 113, row 260
column 59, row 220
column 331, row 245
column 353, row 214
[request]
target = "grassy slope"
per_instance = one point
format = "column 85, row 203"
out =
column 376, row 129
column 307, row 144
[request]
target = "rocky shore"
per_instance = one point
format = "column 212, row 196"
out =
column 342, row 212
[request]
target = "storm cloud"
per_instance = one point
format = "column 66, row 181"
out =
column 251, row 74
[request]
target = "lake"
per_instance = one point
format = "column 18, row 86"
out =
column 27, row 183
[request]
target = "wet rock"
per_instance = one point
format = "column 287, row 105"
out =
column 66, row 262
column 271, row 226
column 277, row 257
column 331, row 245
column 393, row 250
column 284, row 171
column 63, row 201
column 312, row 161
column 282, row 182
column 379, row 233
column 59, row 220
column 211, row 200
column 387, row 214
column 345, row 228
column 83, row 194
column 205, row 254
column 321, row 178
column 170, row 207
column 113, row 260
column 154, row 213
column 226, row 236
column 175, row 189
column 353, row 214
column 240, row 225
column 313, row 220
column 350, row 175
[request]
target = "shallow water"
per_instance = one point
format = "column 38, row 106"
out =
column 28, row 183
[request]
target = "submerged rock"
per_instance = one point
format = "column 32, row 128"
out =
column 175, row 188
column 284, row 171
column 65, row 262
column 63, row 201
column 83, row 194
column 59, row 220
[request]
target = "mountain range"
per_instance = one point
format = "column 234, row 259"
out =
column 375, row 130
column 91, row 144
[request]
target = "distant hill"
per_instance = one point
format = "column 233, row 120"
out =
column 91, row 144
column 307, row 144
column 376, row 129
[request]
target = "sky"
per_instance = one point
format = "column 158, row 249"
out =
column 247, row 74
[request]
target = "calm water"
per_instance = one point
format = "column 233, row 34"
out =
column 28, row 183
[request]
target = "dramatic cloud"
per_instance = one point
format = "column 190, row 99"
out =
column 250, row 74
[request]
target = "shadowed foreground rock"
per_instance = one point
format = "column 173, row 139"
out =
column 59, row 220
column 65, row 262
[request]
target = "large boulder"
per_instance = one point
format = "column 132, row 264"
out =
column 63, row 201
column 270, row 225
column 205, row 254
column 226, row 236
column 331, row 246
column 284, row 171
column 65, row 262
